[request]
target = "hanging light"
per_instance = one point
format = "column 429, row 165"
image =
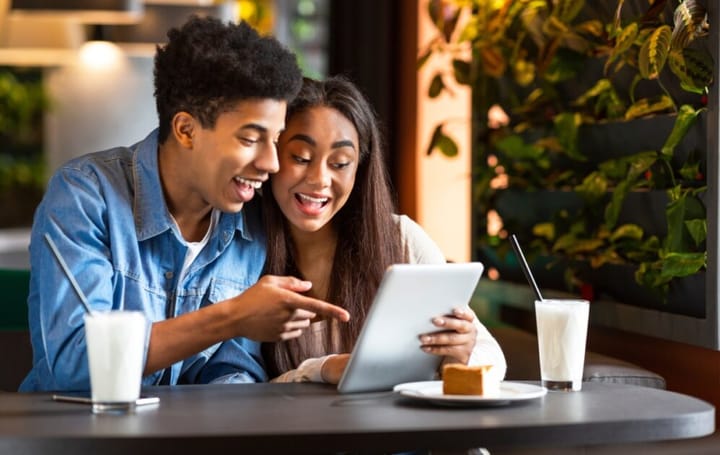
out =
column 40, row 42
column 37, row 41
column 85, row 11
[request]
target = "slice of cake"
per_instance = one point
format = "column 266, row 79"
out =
column 459, row 379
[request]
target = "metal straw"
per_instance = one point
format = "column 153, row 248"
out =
column 524, row 265
column 65, row 268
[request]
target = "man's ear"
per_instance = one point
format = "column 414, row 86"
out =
column 183, row 128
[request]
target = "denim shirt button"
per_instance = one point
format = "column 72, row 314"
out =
column 168, row 275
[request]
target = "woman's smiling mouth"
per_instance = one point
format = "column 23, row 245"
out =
column 311, row 205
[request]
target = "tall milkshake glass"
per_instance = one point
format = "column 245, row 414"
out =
column 115, row 344
column 562, row 335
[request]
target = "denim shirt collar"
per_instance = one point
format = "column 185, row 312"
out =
column 152, row 216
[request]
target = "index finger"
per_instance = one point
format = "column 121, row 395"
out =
column 319, row 307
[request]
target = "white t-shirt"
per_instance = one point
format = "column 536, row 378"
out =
column 194, row 248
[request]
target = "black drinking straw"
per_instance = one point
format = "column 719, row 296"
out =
column 524, row 265
column 69, row 275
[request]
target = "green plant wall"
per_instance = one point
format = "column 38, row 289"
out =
column 584, row 84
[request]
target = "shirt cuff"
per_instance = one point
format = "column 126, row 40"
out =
column 310, row 370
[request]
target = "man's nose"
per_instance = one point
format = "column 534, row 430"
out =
column 267, row 159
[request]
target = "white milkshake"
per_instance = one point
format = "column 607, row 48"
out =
column 562, row 334
column 116, row 344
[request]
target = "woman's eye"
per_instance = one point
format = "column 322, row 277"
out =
column 300, row 159
column 340, row 165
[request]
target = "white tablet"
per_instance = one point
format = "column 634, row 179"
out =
column 387, row 351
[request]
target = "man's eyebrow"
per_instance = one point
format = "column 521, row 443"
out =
column 254, row 126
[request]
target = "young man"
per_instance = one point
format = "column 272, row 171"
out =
column 168, row 226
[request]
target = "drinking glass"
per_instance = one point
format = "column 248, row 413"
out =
column 562, row 333
column 116, row 345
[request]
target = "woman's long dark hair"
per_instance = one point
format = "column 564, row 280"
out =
column 368, row 240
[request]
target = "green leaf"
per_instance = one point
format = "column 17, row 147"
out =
column 627, row 231
column 523, row 72
column 624, row 41
column 626, row 38
column 639, row 163
column 563, row 242
column 424, row 58
column 565, row 66
column 646, row 251
column 610, row 103
column 682, row 208
column 567, row 10
column 592, row 27
column 584, row 246
column 442, row 142
column 566, row 127
column 436, row 86
column 685, row 118
column 470, row 31
column 645, row 107
column 600, row 87
column 545, row 231
column 690, row 20
column 648, row 275
column 593, row 187
column 697, row 229
column 612, row 210
column 676, row 265
column 516, row 149
column 628, row 167
column 693, row 67
column 533, row 17
column 690, row 171
column 462, row 71
column 654, row 51
column 447, row 146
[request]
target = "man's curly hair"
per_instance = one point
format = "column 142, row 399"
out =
column 207, row 66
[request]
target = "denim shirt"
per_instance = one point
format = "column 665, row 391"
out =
column 108, row 217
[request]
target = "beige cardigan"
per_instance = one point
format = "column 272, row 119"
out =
column 421, row 249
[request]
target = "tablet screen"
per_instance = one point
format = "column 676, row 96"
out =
column 387, row 351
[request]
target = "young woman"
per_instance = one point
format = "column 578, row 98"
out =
column 329, row 215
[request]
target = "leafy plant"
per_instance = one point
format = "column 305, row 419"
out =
column 22, row 171
column 20, row 105
column 558, row 67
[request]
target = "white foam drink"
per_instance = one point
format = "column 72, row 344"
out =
column 562, row 334
column 116, row 345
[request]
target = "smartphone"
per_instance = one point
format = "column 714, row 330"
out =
column 84, row 398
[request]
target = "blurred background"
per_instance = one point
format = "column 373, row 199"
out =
column 76, row 76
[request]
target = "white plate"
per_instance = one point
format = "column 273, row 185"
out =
column 431, row 391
